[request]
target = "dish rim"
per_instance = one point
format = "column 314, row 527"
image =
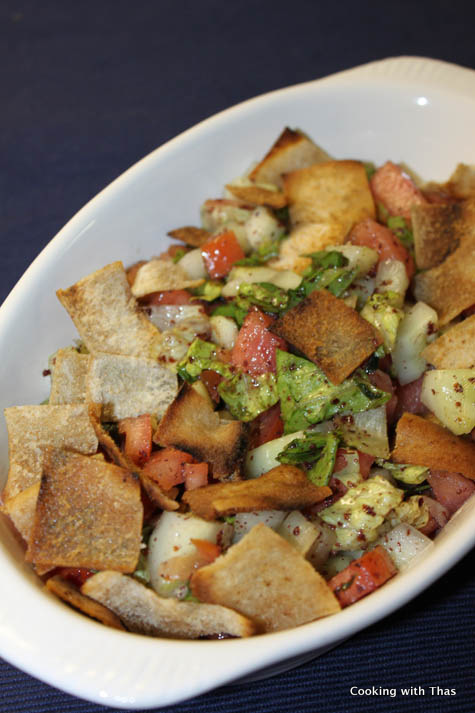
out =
column 103, row 689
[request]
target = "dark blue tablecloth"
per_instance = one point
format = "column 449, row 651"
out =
column 88, row 88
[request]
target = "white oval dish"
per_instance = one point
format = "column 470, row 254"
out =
column 407, row 109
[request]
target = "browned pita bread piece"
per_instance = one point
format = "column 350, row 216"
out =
column 257, row 195
column 106, row 314
column 285, row 487
column 68, row 378
column 191, row 425
column 32, row 427
column 69, row 594
column 291, row 151
column 195, row 237
column 153, row 490
column 89, row 514
column 159, row 275
column 450, row 286
column 421, row 442
column 144, row 612
column 21, row 510
column 329, row 333
column 436, row 228
column 335, row 192
column 268, row 580
column 455, row 349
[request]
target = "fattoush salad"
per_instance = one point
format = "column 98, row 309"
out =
column 267, row 422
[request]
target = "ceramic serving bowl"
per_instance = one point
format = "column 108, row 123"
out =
column 412, row 110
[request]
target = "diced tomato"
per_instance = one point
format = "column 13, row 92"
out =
column 409, row 398
column 166, row 467
column 220, row 253
column 380, row 238
column 366, row 461
column 255, row 347
column 211, row 379
column 438, row 516
column 383, row 381
column 362, row 576
column 138, row 438
column 395, row 190
column 169, row 297
column 196, row 475
column 207, row 550
column 450, row 489
column 75, row 575
column 266, row 427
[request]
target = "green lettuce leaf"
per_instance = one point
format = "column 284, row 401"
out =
column 231, row 309
column 317, row 448
column 246, row 395
column 382, row 310
column 265, row 295
column 208, row 291
column 201, row 355
column 409, row 474
column 308, row 397
column 265, row 252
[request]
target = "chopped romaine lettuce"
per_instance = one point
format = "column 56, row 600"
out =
column 317, row 448
column 231, row 309
column 400, row 228
column 412, row 511
column 383, row 312
column 201, row 355
column 208, row 291
column 308, row 397
column 359, row 513
column 246, row 395
column 366, row 431
column 266, row 250
column 265, row 295
column 410, row 474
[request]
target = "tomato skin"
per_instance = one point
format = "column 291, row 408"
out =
column 207, row 550
column 169, row 297
column 138, row 438
column 220, row 253
column 211, row 379
column 266, row 427
column 255, row 349
column 366, row 461
column 165, row 467
column 196, row 475
column 409, row 398
column 395, row 190
column 383, row 381
column 362, row 576
column 75, row 575
column 380, row 238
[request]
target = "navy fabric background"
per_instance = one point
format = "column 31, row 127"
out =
column 87, row 89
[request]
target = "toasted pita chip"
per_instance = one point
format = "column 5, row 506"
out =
column 69, row 594
column 144, row 612
column 303, row 240
column 195, row 237
column 106, row 315
column 461, row 183
column 268, row 580
column 437, row 229
column 191, row 425
column 291, row 151
column 455, row 349
column 257, row 195
column 159, row 275
column 21, row 510
column 329, row 333
column 89, row 514
column 31, row 427
column 154, row 492
column 285, row 487
column 68, row 378
column 450, row 287
column 129, row 386
column 335, row 192
column 421, row 442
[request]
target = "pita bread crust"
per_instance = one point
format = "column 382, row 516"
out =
column 160, row 275
column 88, row 514
column 455, row 349
column 32, row 427
column 68, row 379
column 191, row 425
column 334, row 192
column 285, row 487
column 329, row 333
column 303, row 240
column 291, row 151
column 422, row 442
column 190, row 235
column 21, row 510
column 129, row 386
column 436, row 229
column 106, row 314
column 69, row 594
column 144, row 612
column 268, row 580
column 257, row 195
